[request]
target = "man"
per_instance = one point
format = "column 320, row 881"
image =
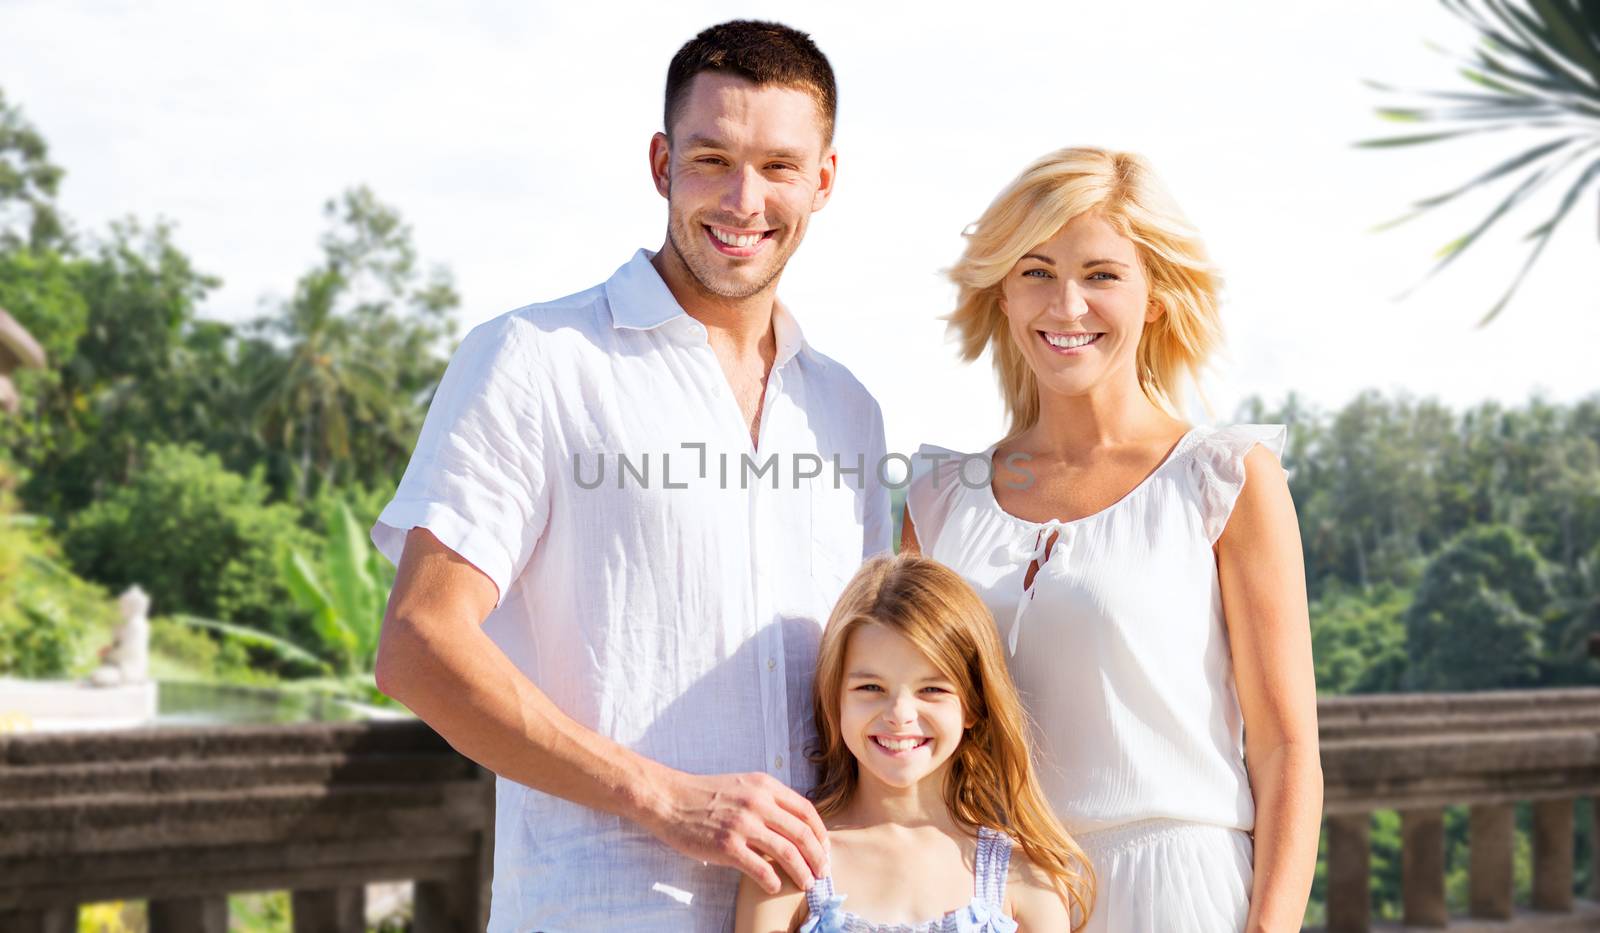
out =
column 626, row 518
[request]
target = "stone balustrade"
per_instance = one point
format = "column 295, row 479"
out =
column 1419, row 753
column 184, row 817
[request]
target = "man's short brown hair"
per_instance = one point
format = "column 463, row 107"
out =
column 761, row 53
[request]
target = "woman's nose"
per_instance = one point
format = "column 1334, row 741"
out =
column 1071, row 302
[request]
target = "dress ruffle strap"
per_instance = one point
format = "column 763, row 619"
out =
column 1217, row 467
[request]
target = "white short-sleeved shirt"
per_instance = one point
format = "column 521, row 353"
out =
column 663, row 583
column 1119, row 648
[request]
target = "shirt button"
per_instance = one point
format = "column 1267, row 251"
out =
column 772, row 664
column 778, row 763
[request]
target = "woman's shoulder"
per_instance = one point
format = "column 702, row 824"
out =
column 940, row 479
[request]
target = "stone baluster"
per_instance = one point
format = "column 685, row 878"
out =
column 52, row 920
column 1552, row 855
column 1349, row 865
column 1422, row 867
column 330, row 910
column 1493, row 840
column 205, row 914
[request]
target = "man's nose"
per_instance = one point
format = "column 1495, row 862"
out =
column 746, row 193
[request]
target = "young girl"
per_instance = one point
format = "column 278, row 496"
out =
column 935, row 819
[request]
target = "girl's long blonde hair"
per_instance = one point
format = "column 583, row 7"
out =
column 991, row 780
column 1122, row 188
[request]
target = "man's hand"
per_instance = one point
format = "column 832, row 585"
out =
column 742, row 821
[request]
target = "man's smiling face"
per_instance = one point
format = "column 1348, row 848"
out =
column 744, row 169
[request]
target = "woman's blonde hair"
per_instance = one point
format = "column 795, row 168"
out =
column 1122, row 188
column 991, row 780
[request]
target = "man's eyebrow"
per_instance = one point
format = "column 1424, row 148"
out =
column 704, row 142
column 711, row 142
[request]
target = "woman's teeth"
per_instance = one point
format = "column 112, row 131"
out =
column 1068, row 342
column 741, row 240
column 900, row 745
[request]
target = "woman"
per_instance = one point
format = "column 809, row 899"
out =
column 1147, row 575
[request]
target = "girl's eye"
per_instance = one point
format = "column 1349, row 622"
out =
column 870, row 687
column 935, row 690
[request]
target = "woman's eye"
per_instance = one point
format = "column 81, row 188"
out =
column 1109, row 277
column 1037, row 274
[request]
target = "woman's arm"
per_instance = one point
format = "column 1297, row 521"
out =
column 1033, row 900
column 756, row 911
column 1262, row 573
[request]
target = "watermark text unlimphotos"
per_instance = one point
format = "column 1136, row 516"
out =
column 676, row 469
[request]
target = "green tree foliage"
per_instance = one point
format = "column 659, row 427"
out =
column 1475, row 624
column 28, row 182
column 345, row 593
column 341, row 375
column 1359, row 639
column 51, row 622
column 200, row 539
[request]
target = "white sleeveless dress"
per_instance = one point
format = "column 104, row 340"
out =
column 1120, row 652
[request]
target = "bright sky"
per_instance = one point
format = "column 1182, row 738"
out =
column 513, row 138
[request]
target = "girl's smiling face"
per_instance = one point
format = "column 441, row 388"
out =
column 900, row 716
column 1077, row 305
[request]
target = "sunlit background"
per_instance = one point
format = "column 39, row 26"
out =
column 225, row 442
column 513, row 138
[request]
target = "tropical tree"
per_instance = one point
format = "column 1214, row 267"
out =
column 1536, row 68
column 341, row 373
column 28, row 181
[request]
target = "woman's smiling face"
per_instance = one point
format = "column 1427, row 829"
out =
column 1077, row 304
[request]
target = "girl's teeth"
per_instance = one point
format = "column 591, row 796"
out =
column 747, row 240
column 1068, row 343
column 898, row 745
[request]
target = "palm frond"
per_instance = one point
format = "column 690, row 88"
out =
column 1537, row 67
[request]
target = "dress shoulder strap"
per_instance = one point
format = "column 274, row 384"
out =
column 823, row 907
column 993, row 862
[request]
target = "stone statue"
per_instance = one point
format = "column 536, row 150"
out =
column 127, row 659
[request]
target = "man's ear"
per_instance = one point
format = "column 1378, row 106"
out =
column 661, row 163
column 826, row 173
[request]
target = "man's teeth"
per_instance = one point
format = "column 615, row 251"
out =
column 898, row 745
column 1066, row 343
column 745, row 240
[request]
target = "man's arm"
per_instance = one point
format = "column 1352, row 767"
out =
column 434, row 657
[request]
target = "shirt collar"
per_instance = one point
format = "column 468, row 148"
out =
column 640, row 300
